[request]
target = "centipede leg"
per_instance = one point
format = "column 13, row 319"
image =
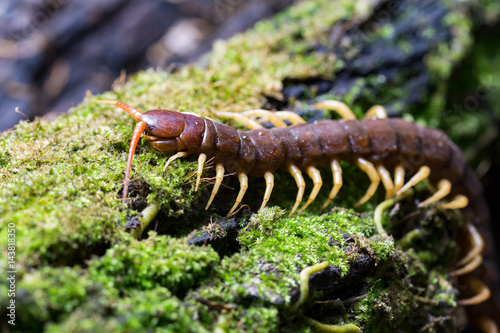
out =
column 297, row 175
column 337, row 182
column 269, row 177
column 458, row 202
column 376, row 111
column 174, row 157
column 267, row 115
column 399, row 177
column 444, row 188
column 252, row 124
column 488, row 325
column 342, row 109
column 292, row 117
column 201, row 162
column 477, row 245
column 219, row 169
column 483, row 293
column 318, row 182
column 386, row 181
column 421, row 174
column 469, row 267
column 242, row 177
column 370, row 170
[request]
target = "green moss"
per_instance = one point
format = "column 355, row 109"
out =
column 138, row 311
column 298, row 242
column 47, row 293
column 155, row 261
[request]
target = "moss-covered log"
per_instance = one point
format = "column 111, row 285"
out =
column 79, row 268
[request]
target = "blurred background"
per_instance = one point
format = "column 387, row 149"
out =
column 52, row 51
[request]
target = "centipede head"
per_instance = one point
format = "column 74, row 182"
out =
column 161, row 125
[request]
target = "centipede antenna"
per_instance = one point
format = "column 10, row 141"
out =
column 136, row 135
column 131, row 110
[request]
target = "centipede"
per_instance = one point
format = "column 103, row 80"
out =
column 397, row 153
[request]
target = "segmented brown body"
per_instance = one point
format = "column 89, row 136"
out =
column 386, row 141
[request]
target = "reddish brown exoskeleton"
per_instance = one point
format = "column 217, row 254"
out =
column 376, row 144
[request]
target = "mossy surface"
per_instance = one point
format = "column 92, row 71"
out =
column 78, row 270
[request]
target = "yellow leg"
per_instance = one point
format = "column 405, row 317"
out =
column 379, row 211
column 386, row 181
column 242, row 177
column 459, row 201
column 342, row 109
column 421, row 174
column 477, row 246
column 370, row 170
column 304, row 276
column 269, row 177
column 219, row 170
column 444, row 188
column 399, row 177
column 292, row 117
column 268, row 115
column 488, row 325
column 344, row 328
column 201, row 162
column 337, row 182
column 483, row 293
column 252, row 124
column 318, row 182
column 376, row 111
column 297, row 175
column 174, row 157
column 469, row 267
